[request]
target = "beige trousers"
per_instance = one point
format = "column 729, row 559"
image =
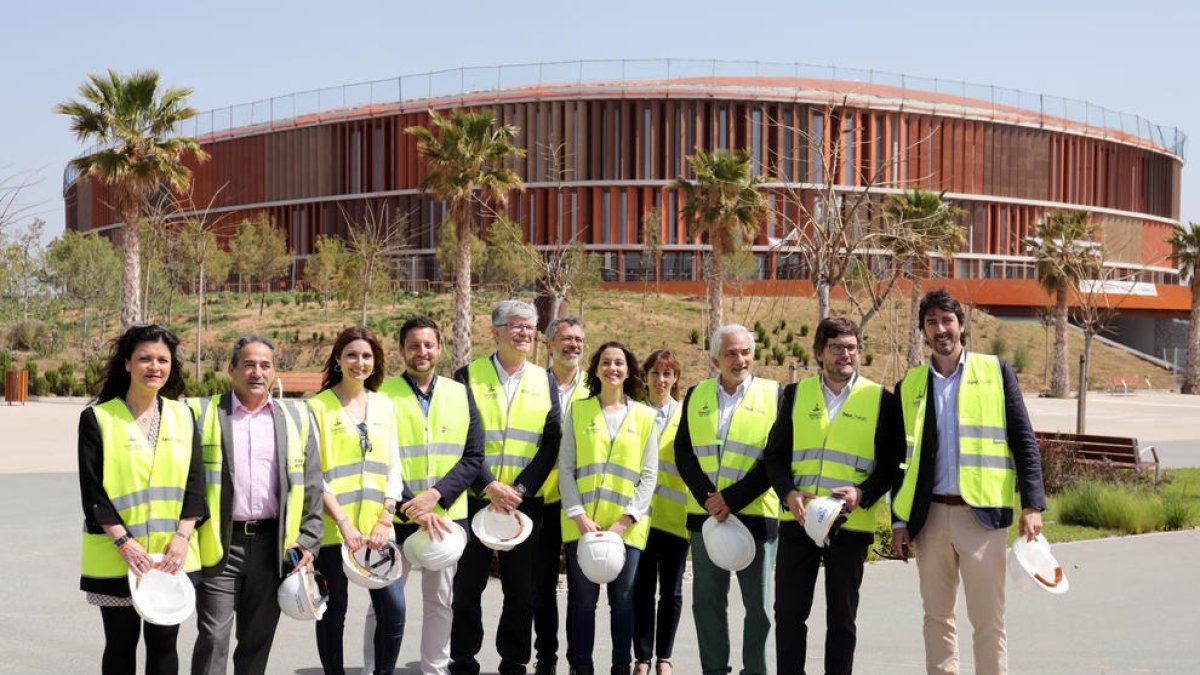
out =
column 951, row 543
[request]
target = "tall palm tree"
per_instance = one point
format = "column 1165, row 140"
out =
column 725, row 203
column 132, row 121
column 921, row 223
column 1186, row 241
column 1065, row 252
column 468, row 160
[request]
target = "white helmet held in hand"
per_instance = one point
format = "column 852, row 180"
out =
column 371, row 568
column 303, row 595
column 423, row 550
column 162, row 598
column 729, row 544
column 823, row 517
column 601, row 556
column 1031, row 566
column 501, row 531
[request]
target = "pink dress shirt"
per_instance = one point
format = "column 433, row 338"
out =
column 255, row 463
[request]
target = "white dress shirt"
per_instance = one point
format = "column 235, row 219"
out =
column 509, row 382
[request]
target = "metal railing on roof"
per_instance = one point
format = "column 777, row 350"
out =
column 667, row 77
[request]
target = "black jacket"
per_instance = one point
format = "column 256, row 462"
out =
column 1021, row 442
column 889, row 450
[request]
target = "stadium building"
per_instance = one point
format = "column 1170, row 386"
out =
column 604, row 139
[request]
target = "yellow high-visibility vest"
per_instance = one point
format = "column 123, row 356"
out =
column 607, row 470
column 211, row 539
column 668, row 511
column 987, row 476
column 430, row 445
column 511, row 431
column 727, row 460
column 358, row 479
column 549, row 489
column 145, row 485
column 840, row 453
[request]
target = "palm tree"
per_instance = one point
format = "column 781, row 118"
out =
column 921, row 223
column 1186, row 241
column 130, row 119
column 1065, row 252
column 723, row 202
column 468, row 159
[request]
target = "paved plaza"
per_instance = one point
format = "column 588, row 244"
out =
column 1132, row 607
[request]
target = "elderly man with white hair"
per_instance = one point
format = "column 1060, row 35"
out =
column 718, row 451
column 518, row 408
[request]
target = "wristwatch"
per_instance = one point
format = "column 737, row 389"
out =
column 390, row 508
column 120, row 541
column 520, row 489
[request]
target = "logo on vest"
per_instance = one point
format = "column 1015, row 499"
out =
column 704, row 410
column 852, row 416
column 815, row 413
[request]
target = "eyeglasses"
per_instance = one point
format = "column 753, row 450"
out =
column 520, row 328
column 837, row 349
column 570, row 340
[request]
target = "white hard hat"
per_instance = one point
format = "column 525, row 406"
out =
column 162, row 599
column 729, row 544
column 601, row 556
column 1031, row 566
column 371, row 568
column 822, row 518
column 436, row 554
column 501, row 531
column 303, row 595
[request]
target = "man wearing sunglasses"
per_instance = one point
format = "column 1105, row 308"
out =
column 837, row 435
column 264, row 490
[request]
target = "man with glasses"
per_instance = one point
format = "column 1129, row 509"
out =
column 970, row 449
column 564, row 339
column 838, row 434
column 518, row 409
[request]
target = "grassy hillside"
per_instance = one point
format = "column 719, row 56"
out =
column 645, row 322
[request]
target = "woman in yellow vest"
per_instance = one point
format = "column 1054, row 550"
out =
column 360, row 457
column 608, row 467
column 663, row 560
column 142, row 481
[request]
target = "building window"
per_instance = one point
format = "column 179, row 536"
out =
column 605, row 216
column 672, row 220
column 786, row 151
column 818, row 152
column 608, row 266
column 722, row 128
column 647, row 141
column 756, row 142
column 622, row 220
column 678, row 266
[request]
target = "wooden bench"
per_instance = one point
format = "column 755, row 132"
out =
column 1124, row 384
column 1117, row 451
column 305, row 384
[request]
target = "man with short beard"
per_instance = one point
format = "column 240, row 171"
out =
column 564, row 339
column 970, row 449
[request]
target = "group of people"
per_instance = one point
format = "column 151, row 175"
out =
column 241, row 489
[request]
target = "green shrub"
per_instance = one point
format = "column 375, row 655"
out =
column 758, row 328
column 803, row 356
column 797, row 348
column 92, row 376
column 1020, row 358
column 998, row 346
column 804, row 330
column 694, row 337
column 28, row 336
column 1177, row 514
column 778, row 354
column 766, row 341
column 789, row 337
column 1094, row 504
column 37, row 383
column 868, row 358
column 782, row 325
column 63, row 382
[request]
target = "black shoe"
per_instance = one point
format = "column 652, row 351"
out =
column 544, row 668
column 622, row 670
column 583, row 670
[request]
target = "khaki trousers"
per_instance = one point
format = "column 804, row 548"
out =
column 951, row 543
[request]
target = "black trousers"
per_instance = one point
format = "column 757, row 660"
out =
column 514, row 634
column 546, row 565
column 123, row 627
column 659, row 573
column 795, row 583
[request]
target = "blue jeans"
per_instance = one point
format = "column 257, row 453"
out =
column 389, row 617
column 582, row 598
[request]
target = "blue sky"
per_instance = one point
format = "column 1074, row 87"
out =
column 1137, row 58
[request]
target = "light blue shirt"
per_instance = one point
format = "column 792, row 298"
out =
column 945, row 410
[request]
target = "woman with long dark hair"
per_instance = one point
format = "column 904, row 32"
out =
column 608, row 466
column 141, row 478
column 360, row 456
column 663, row 560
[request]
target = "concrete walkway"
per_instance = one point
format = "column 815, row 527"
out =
column 1132, row 607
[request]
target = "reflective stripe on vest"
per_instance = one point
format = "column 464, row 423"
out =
column 840, row 453
column 607, row 470
column 430, row 445
column 146, row 485
column 358, row 480
column 668, row 509
column 986, row 473
column 511, row 431
column 727, row 460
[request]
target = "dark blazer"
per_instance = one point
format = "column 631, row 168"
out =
column 1021, row 442
column 544, row 460
column 312, row 528
column 889, row 449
